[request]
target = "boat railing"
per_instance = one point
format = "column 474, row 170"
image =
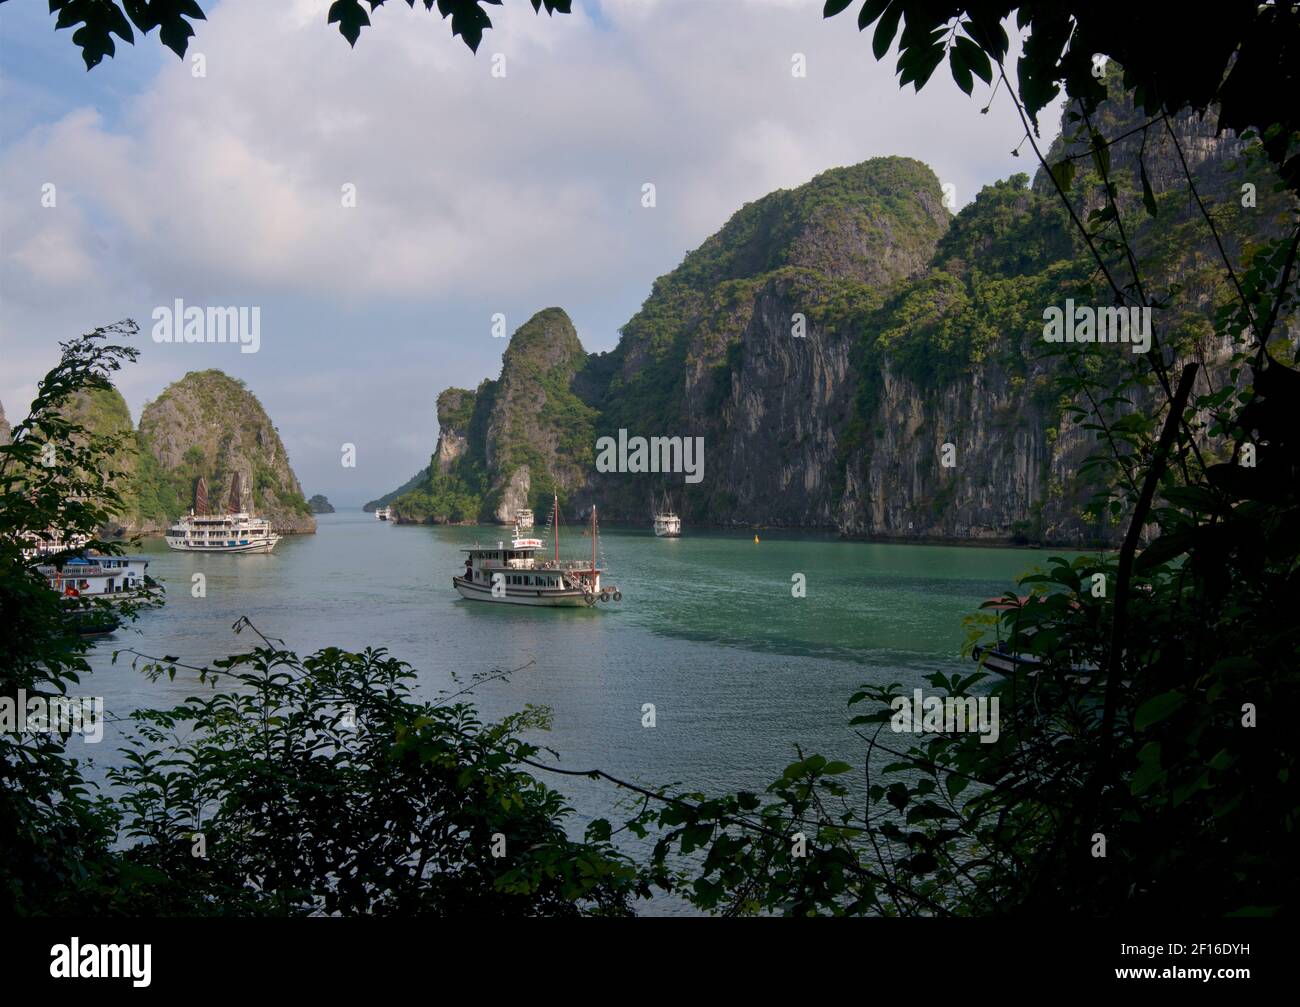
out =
column 534, row 563
column 79, row 572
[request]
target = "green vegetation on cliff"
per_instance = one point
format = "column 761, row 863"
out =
column 537, row 420
column 866, row 226
column 530, row 419
column 208, row 424
column 414, row 482
column 452, row 487
column 104, row 413
column 836, row 330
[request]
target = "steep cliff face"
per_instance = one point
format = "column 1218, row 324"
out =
column 773, row 448
column 208, row 424
column 4, row 426
column 747, row 344
column 855, row 358
column 514, row 441
column 539, row 434
column 455, row 410
column 958, row 357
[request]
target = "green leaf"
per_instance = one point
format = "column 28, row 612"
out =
column 884, row 36
column 871, row 10
column 976, row 58
column 1156, row 709
column 694, row 836
column 960, row 71
column 1063, row 173
column 1149, row 769
column 1161, row 551
column 351, row 17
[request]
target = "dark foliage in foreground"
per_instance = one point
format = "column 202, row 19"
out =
column 1148, row 763
column 308, row 785
column 318, row 785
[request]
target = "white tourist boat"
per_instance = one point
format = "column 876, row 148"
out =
column 666, row 522
column 235, row 531
column 92, row 585
column 522, row 574
column 90, row 575
column 38, row 546
column 383, row 513
column 523, row 519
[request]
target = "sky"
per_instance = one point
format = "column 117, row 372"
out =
column 475, row 193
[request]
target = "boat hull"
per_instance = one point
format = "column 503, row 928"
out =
column 1004, row 664
column 260, row 546
column 92, row 621
column 536, row 597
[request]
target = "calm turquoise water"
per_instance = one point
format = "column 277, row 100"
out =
column 708, row 631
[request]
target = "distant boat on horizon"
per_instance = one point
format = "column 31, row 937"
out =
column 666, row 522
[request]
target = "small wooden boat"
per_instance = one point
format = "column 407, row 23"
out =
column 1001, row 657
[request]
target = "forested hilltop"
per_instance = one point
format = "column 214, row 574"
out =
column 206, row 424
column 828, row 342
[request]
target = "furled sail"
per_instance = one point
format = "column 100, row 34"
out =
column 201, row 498
column 236, row 496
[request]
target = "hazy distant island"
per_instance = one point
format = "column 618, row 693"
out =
column 415, row 482
column 319, row 505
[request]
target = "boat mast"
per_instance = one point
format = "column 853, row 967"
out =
column 593, row 539
column 555, row 514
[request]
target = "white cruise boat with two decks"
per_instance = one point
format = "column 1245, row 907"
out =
column 237, row 530
column 91, row 586
column 522, row 573
column 94, row 575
